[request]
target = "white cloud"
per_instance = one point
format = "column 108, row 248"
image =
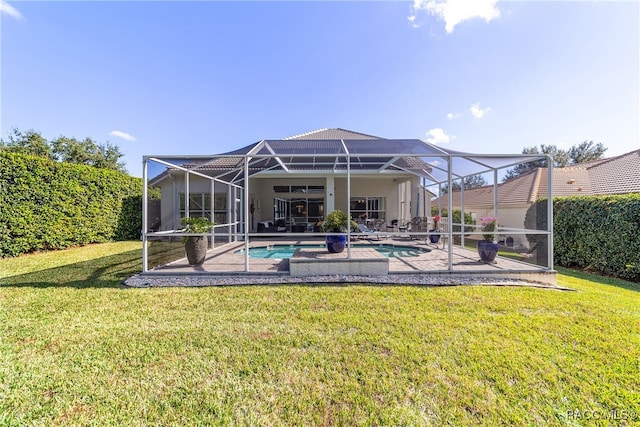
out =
column 10, row 10
column 452, row 116
column 453, row 12
column 477, row 111
column 437, row 136
column 122, row 135
column 412, row 21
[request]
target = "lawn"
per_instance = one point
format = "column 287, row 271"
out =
column 78, row 348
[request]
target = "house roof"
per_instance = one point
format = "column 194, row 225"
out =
column 615, row 175
column 333, row 150
column 337, row 133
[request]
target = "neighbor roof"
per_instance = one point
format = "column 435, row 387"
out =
column 615, row 175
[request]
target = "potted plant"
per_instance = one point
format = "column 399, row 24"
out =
column 435, row 237
column 337, row 222
column 196, row 246
column 488, row 247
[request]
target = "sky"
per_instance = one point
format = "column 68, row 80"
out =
column 206, row 77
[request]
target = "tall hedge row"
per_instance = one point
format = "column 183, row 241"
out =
column 50, row 205
column 600, row 233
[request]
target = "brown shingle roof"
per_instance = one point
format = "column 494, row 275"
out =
column 617, row 175
column 614, row 175
column 516, row 191
column 336, row 133
column 569, row 181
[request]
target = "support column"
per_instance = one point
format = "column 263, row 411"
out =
column 330, row 204
column 145, row 216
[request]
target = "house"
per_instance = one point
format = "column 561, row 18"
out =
column 283, row 188
column 295, row 191
column 614, row 175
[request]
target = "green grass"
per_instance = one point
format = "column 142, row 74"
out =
column 77, row 348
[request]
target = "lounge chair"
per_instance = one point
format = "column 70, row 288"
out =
column 365, row 232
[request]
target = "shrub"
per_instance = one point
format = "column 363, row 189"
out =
column 50, row 205
column 457, row 219
column 599, row 233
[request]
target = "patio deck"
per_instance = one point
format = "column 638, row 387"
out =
column 432, row 260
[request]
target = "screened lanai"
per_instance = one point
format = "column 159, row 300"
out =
column 275, row 194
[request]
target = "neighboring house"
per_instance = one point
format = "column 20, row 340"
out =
column 614, row 175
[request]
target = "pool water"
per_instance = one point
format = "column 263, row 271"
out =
column 287, row 251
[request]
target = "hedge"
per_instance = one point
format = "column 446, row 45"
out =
column 47, row 205
column 598, row 233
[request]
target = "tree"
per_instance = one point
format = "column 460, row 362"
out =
column 29, row 142
column 586, row 151
column 65, row 149
column 472, row 181
column 71, row 150
column 108, row 156
column 583, row 152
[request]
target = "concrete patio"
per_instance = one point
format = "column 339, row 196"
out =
column 228, row 259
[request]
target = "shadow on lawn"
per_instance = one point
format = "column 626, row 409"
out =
column 603, row 280
column 106, row 272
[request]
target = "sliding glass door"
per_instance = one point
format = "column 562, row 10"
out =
column 298, row 214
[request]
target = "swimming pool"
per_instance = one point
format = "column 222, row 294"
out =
column 287, row 251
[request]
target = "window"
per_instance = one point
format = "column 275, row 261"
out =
column 368, row 207
column 200, row 206
column 297, row 211
column 298, row 189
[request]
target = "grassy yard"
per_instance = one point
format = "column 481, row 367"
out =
column 77, row 348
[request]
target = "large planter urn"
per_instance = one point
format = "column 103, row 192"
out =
column 196, row 248
column 434, row 238
column 337, row 222
column 487, row 250
column 336, row 244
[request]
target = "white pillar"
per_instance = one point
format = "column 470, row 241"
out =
column 145, row 217
column 330, row 186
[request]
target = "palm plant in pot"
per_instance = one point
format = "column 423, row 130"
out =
column 196, row 246
column 337, row 222
column 488, row 247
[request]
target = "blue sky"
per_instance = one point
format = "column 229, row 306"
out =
column 207, row 77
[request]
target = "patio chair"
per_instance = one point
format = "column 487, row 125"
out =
column 378, row 224
column 392, row 225
column 365, row 232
